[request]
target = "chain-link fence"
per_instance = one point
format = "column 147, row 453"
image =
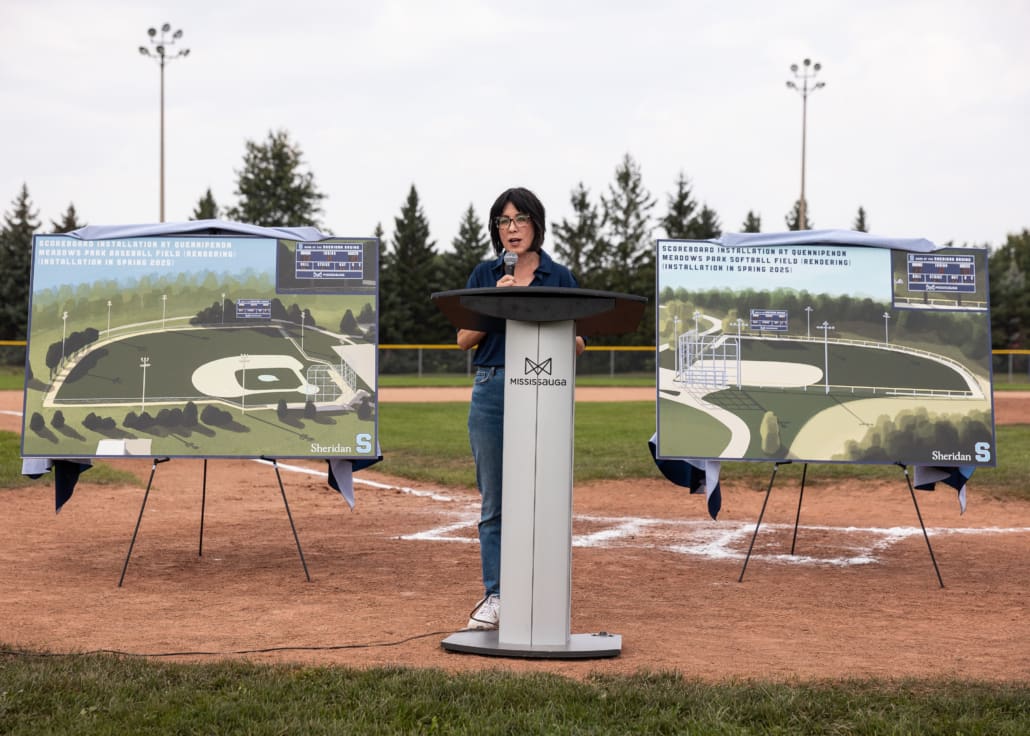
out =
column 1011, row 366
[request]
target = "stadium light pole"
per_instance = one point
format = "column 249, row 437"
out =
column 676, row 345
column 739, row 323
column 144, row 363
column 302, row 332
column 161, row 54
column 808, row 321
column 223, row 308
column 108, row 319
column 886, row 316
column 826, row 327
column 64, row 332
column 164, row 308
column 244, row 359
column 805, row 73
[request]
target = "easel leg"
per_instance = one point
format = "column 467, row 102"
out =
column 797, row 518
column 203, row 503
column 146, row 494
column 912, row 492
column 282, row 491
column 768, row 490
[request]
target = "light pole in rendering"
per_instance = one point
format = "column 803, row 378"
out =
column 144, row 363
column 826, row 327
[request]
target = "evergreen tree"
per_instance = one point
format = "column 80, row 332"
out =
column 627, row 226
column 69, row 221
column 19, row 225
column 273, row 189
column 706, row 225
column 792, row 219
column 1010, row 293
column 860, row 224
column 471, row 247
column 411, row 275
column 207, row 208
column 752, row 223
column 628, row 244
column 576, row 242
column 681, row 209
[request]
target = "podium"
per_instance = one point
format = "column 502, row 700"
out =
column 536, row 507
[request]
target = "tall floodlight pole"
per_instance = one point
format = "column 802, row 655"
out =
column 64, row 332
column 244, row 359
column 739, row 323
column 826, row 327
column 144, row 363
column 109, row 318
column 806, row 72
column 223, row 308
column 676, row 345
column 808, row 321
column 162, row 54
column 164, row 309
column 886, row 317
column 302, row 332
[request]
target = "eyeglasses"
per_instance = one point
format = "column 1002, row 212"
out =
column 504, row 221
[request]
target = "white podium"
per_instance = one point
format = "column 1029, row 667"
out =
column 536, row 510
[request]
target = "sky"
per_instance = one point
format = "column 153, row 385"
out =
column 924, row 119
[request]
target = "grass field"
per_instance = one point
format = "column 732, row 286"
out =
column 105, row 693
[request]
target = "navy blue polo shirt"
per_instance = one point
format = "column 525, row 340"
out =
column 490, row 353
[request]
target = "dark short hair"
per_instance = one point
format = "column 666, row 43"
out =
column 527, row 203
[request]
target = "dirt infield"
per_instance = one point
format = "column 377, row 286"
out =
column 860, row 597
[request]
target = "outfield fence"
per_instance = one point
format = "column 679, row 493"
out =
column 1010, row 366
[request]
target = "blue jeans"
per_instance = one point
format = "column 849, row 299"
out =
column 486, row 437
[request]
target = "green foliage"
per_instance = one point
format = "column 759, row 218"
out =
column 770, row 433
column 69, row 221
column 273, row 189
column 106, row 694
column 576, row 242
column 207, row 208
column 1010, row 296
column 19, row 225
column 752, row 223
column 794, row 216
column 627, row 252
column 469, row 248
column 410, row 275
column 860, row 223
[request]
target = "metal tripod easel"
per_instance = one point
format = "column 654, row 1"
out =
column 797, row 518
column 203, row 503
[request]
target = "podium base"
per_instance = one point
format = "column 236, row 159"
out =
column 580, row 646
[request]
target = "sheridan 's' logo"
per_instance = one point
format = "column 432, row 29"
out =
column 537, row 368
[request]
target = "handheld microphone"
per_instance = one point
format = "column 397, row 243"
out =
column 510, row 259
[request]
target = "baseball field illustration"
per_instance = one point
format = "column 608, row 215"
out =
column 832, row 353
column 202, row 347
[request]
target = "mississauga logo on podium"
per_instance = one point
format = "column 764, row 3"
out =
column 537, row 374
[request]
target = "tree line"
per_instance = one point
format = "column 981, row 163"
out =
column 608, row 242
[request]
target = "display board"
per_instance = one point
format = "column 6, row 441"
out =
column 202, row 346
column 828, row 352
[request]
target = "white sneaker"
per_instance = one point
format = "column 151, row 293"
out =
column 486, row 615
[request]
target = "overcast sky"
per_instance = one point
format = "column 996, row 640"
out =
column 924, row 120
